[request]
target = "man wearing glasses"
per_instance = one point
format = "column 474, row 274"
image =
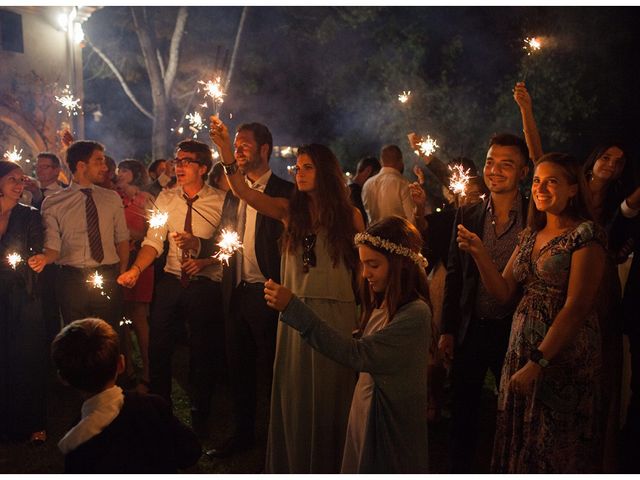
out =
column 190, row 291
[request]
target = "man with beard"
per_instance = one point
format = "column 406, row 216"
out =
column 250, row 324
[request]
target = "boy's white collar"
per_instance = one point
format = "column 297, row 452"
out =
column 97, row 413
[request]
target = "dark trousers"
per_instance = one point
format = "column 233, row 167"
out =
column 484, row 347
column 200, row 306
column 47, row 281
column 630, row 438
column 79, row 299
column 251, row 341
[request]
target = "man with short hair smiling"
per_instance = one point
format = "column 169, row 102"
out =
column 190, row 291
column 475, row 327
column 85, row 233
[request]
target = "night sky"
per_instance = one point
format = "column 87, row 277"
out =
column 332, row 75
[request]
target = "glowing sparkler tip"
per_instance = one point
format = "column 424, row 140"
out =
column 229, row 244
column 13, row 155
column 68, row 102
column 532, row 44
column 459, row 179
column 213, row 89
column 14, row 259
column 428, row 146
column 96, row 280
column 404, row 96
column 158, row 219
column 125, row 321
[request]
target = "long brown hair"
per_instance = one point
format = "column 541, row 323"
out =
column 407, row 280
column 335, row 211
column 579, row 206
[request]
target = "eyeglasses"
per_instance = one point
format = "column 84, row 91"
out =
column 308, row 253
column 183, row 162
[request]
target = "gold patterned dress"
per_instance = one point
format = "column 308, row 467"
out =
column 557, row 428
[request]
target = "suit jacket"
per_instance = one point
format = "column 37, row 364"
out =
column 267, row 235
column 461, row 282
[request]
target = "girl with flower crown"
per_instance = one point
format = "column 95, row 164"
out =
column 386, row 432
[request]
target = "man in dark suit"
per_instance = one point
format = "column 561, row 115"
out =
column 250, row 324
column 476, row 327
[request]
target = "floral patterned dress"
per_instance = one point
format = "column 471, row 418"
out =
column 557, row 428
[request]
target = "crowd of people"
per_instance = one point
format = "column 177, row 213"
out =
column 348, row 309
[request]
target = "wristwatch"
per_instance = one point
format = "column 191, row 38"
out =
column 230, row 168
column 536, row 356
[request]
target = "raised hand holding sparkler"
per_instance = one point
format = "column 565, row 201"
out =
column 421, row 146
column 531, row 46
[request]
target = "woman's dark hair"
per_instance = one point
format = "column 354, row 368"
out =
column 407, row 280
column 136, row 167
column 335, row 211
column 579, row 206
column 7, row 167
column 216, row 174
column 86, row 353
column 619, row 187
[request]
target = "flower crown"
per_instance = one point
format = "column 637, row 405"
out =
column 394, row 248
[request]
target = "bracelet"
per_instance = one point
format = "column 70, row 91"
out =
column 231, row 168
column 139, row 269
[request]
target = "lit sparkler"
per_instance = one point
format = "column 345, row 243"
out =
column 404, row 96
column 428, row 146
column 195, row 122
column 483, row 196
column 125, row 321
column 68, row 102
column 532, row 45
column 13, row 155
column 229, row 244
column 14, row 259
column 97, row 281
column 213, row 89
column 459, row 180
column 158, row 219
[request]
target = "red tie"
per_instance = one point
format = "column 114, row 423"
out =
column 184, row 277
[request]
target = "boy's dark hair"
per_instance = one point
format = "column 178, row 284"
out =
column 86, row 354
column 261, row 134
column 202, row 151
column 81, row 151
column 510, row 140
column 51, row 156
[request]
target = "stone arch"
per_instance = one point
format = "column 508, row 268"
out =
column 23, row 129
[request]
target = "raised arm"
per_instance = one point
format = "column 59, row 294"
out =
column 529, row 127
column 503, row 287
column 274, row 207
column 433, row 163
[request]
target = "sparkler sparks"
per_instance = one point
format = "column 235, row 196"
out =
column 125, row 321
column 404, row 96
column 459, row 180
column 14, row 259
column 68, row 102
column 428, row 147
column 96, row 280
column 532, row 45
column 229, row 243
column 13, row 155
column 195, row 122
column 158, row 219
column 213, row 89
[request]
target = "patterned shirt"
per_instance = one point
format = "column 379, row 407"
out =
column 500, row 247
